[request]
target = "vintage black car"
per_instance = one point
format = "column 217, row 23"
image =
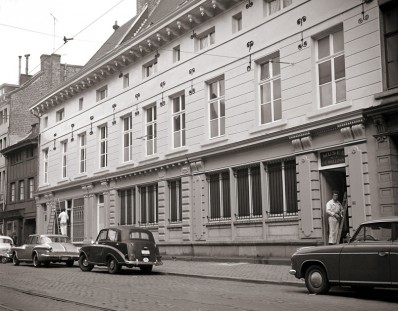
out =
column 369, row 259
column 44, row 249
column 121, row 246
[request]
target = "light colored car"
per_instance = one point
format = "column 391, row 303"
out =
column 44, row 249
column 369, row 259
column 5, row 247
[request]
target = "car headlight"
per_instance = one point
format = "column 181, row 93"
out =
column 49, row 250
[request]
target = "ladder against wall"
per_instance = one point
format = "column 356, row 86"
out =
column 53, row 222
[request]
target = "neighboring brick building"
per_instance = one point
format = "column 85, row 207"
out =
column 224, row 126
column 17, row 123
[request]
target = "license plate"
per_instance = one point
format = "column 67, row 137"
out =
column 64, row 258
column 145, row 252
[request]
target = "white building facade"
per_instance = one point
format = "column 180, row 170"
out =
column 221, row 126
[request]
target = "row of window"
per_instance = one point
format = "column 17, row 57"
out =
column 19, row 193
column 282, row 193
column 19, row 156
column 331, row 71
column 3, row 116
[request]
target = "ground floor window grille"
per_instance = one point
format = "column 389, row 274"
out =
column 78, row 220
column 127, row 207
column 219, row 196
column 149, row 205
column 248, row 183
column 175, row 201
column 282, row 189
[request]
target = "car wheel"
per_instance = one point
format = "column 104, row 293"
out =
column 316, row 280
column 146, row 269
column 4, row 259
column 36, row 262
column 15, row 259
column 84, row 265
column 70, row 263
column 113, row 267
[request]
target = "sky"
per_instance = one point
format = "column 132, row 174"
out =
column 27, row 27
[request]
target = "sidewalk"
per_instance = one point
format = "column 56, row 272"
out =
column 236, row 271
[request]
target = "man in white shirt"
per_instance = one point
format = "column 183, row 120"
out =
column 63, row 222
column 334, row 211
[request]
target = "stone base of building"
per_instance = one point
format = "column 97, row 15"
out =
column 251, row 252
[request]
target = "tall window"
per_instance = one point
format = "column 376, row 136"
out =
column 45, row 122
column 207, row 38
column 127, row 207
column 237, row 22
column 282, row 188
column 103, row 146
column 249, row 192
column 60, row 115
column 273, row 6
column 150, row 130
column 82, row 153
column 217, row 108
column 178, row 119
column 127, row 138
column 126, row 80
column 45, row 166
column 149, row 204
column 175, row 201
column 390, row 13
column 219, row 196
column 150, row 68
column 21, row 190
column 12, row 192
column 102, row 93
column 31, row 188
column 64, row 147
column 331, row 69
column 270, row 91
column 81, row 104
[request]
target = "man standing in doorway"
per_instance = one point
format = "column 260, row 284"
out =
column 334, row 211
column 63, row 222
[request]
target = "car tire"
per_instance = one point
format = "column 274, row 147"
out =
column 113, row 267
column 15, row 260
column 4, row 259
column 316, row 280
column 146, row 269
column 36, row 262
column 70, row 263
column 84, row 265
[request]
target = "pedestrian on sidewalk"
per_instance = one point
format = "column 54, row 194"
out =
column 334, row 210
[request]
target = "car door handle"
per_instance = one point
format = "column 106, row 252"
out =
column 382, row 254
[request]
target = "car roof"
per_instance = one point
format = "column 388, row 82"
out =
column 5, row 237
column 128, row 228
column 390, row 219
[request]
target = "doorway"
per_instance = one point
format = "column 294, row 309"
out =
column 334, row 179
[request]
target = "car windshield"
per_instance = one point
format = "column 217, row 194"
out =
column 7, row 241
column 139, row 235
column 55, row 239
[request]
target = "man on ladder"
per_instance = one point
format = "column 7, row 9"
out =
column 63, row 222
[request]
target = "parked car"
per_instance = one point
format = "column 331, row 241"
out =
column 121, row 246
column 369, row 259
column 5, row 247
column 44, row 249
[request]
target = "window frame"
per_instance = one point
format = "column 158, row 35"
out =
column 64, row 159
column 221, row 109
column 222, row 195
column 180, row 113
column 129, row 134
column 45, row 165
column 237, row 22
column 151, row 124
column 175, row 201
column 206, row 38
column 150, row 68
column 101, row 93
column 12, row 192
column 82, row 153
column 176, row 54
column 146, row 214
column 21, row 190
column 60, row 115
column 126, row 80
column 267, row 6
column 103, row 146
column 31, row 187
column 250, row 209
column 128, row 208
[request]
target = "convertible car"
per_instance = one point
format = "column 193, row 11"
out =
column 121, row 246
column 369, row 259
column 44, row 249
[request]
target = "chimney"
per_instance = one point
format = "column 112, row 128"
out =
column 27, row 63
column 19, row 70
column 116, row 26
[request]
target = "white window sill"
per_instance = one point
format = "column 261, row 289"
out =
column 81, row 175
column 126, row 165
column 268, row 126
column 176, row 152
column 63, row 181
column 101, row 171
column 149, row 159
column 329, row 109
column 215, row 141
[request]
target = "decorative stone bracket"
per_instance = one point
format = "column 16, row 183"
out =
column 301, row 141
column 351, row 130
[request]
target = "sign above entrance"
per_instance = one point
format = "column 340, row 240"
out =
column 332, row 157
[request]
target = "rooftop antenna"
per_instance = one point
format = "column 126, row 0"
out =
column 55, row 19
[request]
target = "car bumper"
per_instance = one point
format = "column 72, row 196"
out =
column 59, row 257
column 143, row 263
column 292, row 272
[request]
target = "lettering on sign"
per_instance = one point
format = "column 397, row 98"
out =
column 332, row 157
